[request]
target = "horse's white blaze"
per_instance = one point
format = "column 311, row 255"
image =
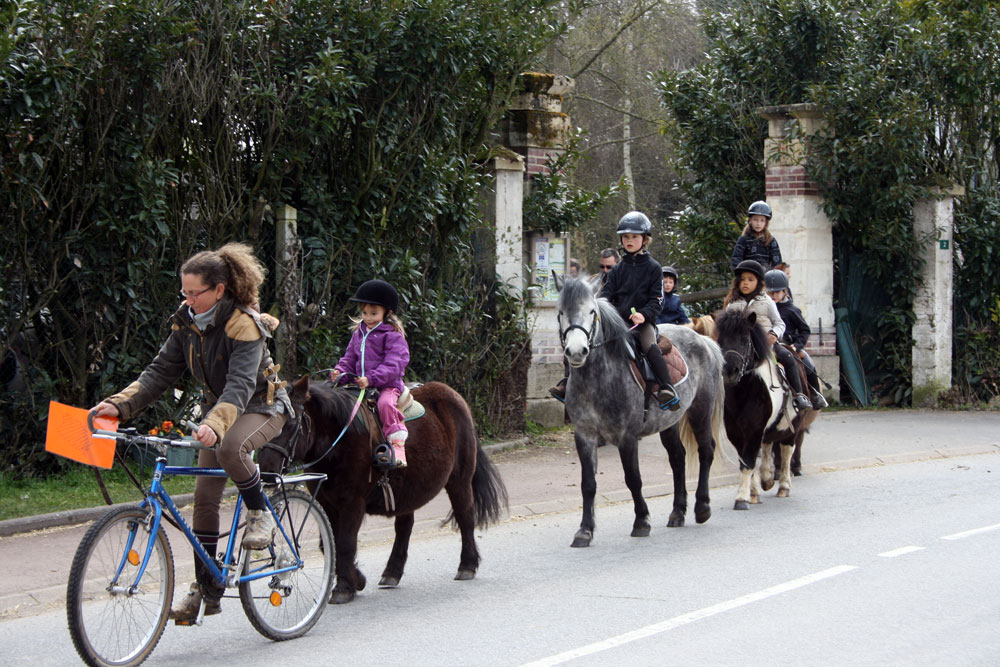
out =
column 576, row 348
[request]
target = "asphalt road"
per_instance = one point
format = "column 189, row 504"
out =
column 884, row 553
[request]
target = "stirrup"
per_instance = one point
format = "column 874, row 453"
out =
column 384, row 457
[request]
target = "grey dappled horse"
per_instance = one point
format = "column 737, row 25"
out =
column 605, row 402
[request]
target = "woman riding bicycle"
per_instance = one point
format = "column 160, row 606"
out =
column 217, row 335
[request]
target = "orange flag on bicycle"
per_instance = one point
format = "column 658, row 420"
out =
column 69, row 435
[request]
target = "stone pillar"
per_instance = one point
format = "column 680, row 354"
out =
column 506, row 205
column 804, row 232
column 933, row 225
column 536, row 127
column 287, row 247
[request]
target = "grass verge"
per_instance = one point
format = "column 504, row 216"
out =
column 75, row 489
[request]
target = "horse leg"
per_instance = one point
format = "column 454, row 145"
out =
column 587, row 452
column 706, row 455
column 797, row 456
column 464, row 511
column 755, row 489
column 629, row 454
column 350, row 580
column 743, row 491
column 675, row 452
column 393, row 571
column 767, row 466
column 785, row 481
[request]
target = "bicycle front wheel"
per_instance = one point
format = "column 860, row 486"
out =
column 114, row 620
column 285, row 606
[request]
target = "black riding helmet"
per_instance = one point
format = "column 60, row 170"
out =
column 670, row 271
column 378, row 292
column 635, row 222
column 751, row 266
column 775, row 280
column 760, row 208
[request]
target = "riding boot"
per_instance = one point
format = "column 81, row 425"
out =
column 818, row 400
column 558, row 392
column 799, row 400
column 666, row 396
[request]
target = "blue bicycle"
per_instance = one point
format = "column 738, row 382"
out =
column 121, row 583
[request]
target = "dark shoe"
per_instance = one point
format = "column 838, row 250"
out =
column 819, row 401
column 558, row 392
column 186, row 611
column 801, row 402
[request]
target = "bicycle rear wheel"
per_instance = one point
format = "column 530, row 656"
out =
column 109, row 623
column 285, row 606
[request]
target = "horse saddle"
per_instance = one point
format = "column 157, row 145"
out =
column 644, row 375
column 409, row 406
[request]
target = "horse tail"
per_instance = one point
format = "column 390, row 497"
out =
column 489, row 493
column 718, row 411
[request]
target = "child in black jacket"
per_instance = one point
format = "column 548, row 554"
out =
column 797, row 330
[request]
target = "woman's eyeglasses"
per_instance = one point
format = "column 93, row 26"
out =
column 193, row 295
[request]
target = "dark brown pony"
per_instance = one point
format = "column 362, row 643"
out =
column 442, row 451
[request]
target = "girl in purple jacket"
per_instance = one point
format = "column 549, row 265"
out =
column 377, row 357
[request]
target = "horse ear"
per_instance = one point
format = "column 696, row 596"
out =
column 752, row 318
column 300, row 390
column 559, row 281
column 595, row 283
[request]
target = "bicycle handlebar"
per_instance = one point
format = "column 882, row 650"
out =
column 184, row 443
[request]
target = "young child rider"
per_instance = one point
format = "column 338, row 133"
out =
column 379, row 333
column 756, row 242
column 635, row 288
column 673, row 310
column 797, row 331
column 747, row 293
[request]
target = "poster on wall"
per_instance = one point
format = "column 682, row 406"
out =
column 549, row 255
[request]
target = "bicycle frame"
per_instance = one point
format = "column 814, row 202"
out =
column 158, row 498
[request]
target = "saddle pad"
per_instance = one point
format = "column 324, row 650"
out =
column 675, row 362
column 414, row 410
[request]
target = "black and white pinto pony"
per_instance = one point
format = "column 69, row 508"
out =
column 605, row 402
column 758, row 412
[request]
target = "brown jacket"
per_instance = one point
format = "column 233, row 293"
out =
column 230, row 359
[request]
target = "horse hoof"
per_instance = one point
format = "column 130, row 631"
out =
column 465, row 575
column 640, row 531
column 341, row 597
column 360, row 582
column 782, row 493
column 755, row 500
column 766, row 485
column 676, row 520
column 741, row 505
column 796, row 472
column 703, row 516
column 388, row 582
column 582, row 539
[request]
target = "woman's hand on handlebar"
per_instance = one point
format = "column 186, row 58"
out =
column 206, row 436
column 105, row 409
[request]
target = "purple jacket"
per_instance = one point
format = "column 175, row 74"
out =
column 386, row 357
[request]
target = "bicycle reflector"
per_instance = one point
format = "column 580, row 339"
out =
column 275, row 599
column 68, row 435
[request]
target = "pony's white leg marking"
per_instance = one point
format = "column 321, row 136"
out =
column 785, row 481
column 755, row 489
column 766, row 465
column 743, row 491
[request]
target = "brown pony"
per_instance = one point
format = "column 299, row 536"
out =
column 442, row 451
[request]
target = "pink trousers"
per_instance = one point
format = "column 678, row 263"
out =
column 392, row 418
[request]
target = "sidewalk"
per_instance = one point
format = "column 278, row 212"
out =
column 541, row 478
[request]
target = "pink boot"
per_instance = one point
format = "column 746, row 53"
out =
column 398, row 442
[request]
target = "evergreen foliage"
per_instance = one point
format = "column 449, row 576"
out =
column 141, row 131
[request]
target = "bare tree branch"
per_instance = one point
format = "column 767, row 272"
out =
column 640, row 12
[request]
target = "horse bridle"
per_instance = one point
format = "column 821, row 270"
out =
column 745, row 358
column 591, row 335
column 304, row 423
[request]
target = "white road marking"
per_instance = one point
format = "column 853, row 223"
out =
column 901, row 551
column 690, row 617
column 969, row 533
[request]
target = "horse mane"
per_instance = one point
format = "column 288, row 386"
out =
column 736, row 324
column 333, row 405
column 613, row 327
